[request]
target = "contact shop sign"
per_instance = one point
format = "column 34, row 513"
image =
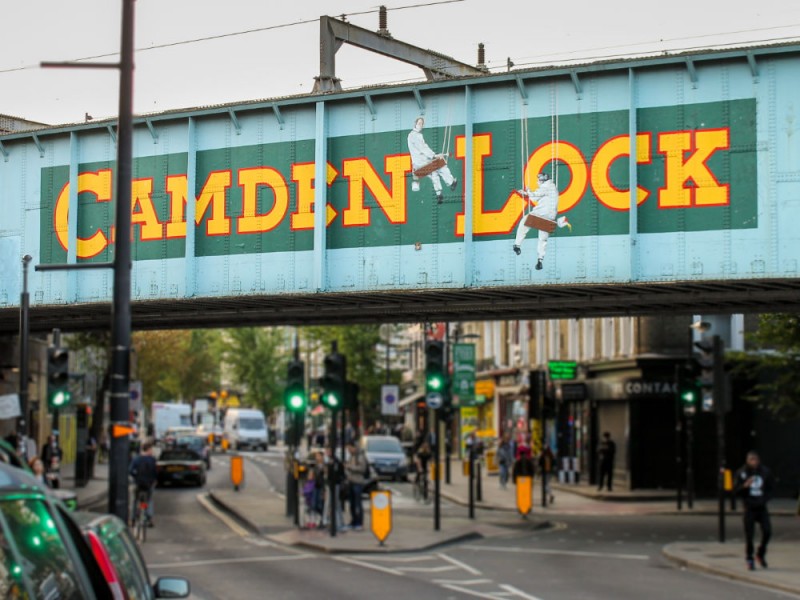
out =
column 637, row 388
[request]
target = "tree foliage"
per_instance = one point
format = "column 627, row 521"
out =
column 257, row 358
column 777, row 367
column 177, row 364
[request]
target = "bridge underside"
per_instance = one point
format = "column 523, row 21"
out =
column 497, row 303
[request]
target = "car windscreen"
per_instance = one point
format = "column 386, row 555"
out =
column 251, row 423
column 391, row 446
column 191, row 442
column 183, row 454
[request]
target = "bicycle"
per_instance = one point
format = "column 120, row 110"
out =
column 140, row 522
column 421, row 485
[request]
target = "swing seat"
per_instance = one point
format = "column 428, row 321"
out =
column 537, row 222
column 436, row 164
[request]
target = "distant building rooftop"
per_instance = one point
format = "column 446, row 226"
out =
column 9, row 124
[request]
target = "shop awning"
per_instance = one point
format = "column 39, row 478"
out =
column 410, row 399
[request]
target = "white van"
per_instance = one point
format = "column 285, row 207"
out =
column 246, row 428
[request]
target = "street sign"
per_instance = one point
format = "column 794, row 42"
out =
column 9, row 406
column 434, row 400
column 390, row 395
column 562, row 369
column 464, row 373
column 136, row 396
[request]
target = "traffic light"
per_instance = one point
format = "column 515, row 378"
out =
column 711, row 381
column 333, row 381
column 688, row 386
column 351, row 396
column 435, row 375
column 58, row 394
column 295, row 397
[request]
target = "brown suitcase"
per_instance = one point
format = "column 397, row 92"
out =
column 536, row 222
column 436, row 164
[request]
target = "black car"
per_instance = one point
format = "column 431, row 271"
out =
column 198, row 443
column 43, row 553
column 181, row 465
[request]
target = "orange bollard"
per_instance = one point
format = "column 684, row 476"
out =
column 524, row 494
column 237, row 472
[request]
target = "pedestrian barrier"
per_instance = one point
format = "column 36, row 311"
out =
column 381, row 514
column 237, row 472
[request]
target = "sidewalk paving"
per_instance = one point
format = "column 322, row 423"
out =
column 727, row 560
column 94, row 492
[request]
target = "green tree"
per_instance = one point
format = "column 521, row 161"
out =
column 776, row 368
column 257, row 358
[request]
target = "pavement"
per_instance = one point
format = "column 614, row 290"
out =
column 94, row 493
column 262, row 510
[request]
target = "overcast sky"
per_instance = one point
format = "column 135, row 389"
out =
column 284, row 60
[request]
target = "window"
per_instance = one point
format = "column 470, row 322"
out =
column 251, row 424
column 125, row 556
column 389, row 446
column 47, row 564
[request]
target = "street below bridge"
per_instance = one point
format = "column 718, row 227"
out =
column 592, row 557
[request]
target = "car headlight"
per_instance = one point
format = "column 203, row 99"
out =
column 403, row 462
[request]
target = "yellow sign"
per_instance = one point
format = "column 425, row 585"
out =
column 485, row 387
column 237, row 472
column 524, row 494
column 381, row 514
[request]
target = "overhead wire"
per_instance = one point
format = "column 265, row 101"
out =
column 231, row 34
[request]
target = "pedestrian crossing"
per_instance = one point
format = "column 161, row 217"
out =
column 439, row 569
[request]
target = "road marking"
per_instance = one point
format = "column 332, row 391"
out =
column 226, row 561
column 461, row 582
column 353, row 561
column 459, row 564
column 439, row 569
column 582, row 553
column 229, row 521
column 401, row 558
column 516, row 592
column 468, row 592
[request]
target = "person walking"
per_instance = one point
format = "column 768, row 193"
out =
column 357, row 471
column 607, row 453
column 523, row 465
column 753, row 482
column 547, row 461
column 51, row 457
column 505, row 458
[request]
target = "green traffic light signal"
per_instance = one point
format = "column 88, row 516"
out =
column 331, row 400
column 435, row 382
column 295, row 398
column 60, row 398
column 689, row 397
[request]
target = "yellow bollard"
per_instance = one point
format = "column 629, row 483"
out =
column 224, row 444
column 491, row 462
column 524, row 494
column 237, row 472
column 381, row 514
column 465, row 468
column 727, row 480
column 436, row 471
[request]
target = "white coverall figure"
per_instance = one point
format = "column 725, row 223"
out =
column 546, row 199
column 421, row 155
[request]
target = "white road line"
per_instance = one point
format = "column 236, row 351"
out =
column 366, row 565
column 418, row 558
column 225, row 561
column 461, row 582
column 231, row 523
column 468, row 592
column 459, row 564
column 439, row 569
column 515, row 592
column 557, row 552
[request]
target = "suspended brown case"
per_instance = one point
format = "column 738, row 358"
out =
column 536, row 222
column 436, row 164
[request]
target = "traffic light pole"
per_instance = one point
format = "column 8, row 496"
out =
column 22, row 425
column 678, row 449
column 689, row 462
column 720, row 407
column 437, row 481
column 332, row 475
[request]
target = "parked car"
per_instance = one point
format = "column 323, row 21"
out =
column 121, row 562
column 43, row 554
column 180, row 465
column 386, row 456
column 198, row 443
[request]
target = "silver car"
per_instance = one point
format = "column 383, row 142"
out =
column 385, row 456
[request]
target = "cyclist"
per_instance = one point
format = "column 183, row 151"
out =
column 421, row 458
column 143, row 471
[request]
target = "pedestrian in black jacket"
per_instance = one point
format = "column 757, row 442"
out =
column 753, row 482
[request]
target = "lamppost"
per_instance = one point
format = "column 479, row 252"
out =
column 22, row 425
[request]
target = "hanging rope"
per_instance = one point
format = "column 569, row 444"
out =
column 523, row 134
column 554, row 135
